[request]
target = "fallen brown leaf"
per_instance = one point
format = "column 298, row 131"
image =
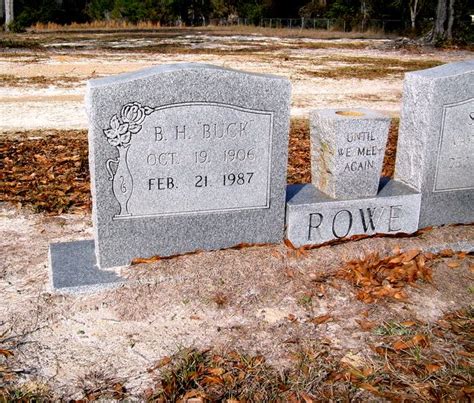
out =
column 401, row 345
column 431, row 368
column 454, row 265
column 6, row 353
column 318, row 320
column 366, row 325
column 446, row 253
column 306, row 397
column 420, row 340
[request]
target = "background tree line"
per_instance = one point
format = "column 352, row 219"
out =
column 446, row 19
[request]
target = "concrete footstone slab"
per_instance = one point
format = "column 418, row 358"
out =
column 74, row 268
column 313, row 218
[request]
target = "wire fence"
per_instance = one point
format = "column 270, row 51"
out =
column 317, row 23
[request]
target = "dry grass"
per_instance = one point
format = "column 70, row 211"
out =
column 99, row 385
column 425, row 362
column 410, row 361
column 215, row 30
column 42, row 81
column 369, row 68
column 236, row 377
column 16, row 42
column 333, row 45
column 95, row 25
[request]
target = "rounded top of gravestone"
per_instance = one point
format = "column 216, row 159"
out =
column 349, row 114
column 444, row 71
column 171, row 68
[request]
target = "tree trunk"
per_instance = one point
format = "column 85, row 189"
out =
column 449, row 33
column 443, row 26
column 413, row 19
column 414, row 10
column 8, row 13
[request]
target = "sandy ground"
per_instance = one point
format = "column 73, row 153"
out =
column 61, row 340
column 34, row 106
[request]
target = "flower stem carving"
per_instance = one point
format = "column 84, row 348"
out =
column 119, row 135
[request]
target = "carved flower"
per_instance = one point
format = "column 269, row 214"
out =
column 133, row 114
column 118, row 134
column 130, row 122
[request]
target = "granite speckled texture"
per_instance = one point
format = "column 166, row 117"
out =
column 313, row 218
column 347, row 151
column 186, row 157
column 435, row 152
column 74, row 269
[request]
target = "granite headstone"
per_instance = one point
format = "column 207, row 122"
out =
column 435, row 152
column 186, row 157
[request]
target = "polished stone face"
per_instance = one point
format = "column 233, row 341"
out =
column 435, row 153
column 186, row 157
column 313, row 218
column 347, row 151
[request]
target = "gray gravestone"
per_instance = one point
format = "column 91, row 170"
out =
column 313, row 218
column 186, row 157
column 347, row 151
column 435, row 153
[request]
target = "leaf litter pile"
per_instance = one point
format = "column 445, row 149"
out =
column 377, row 278
column 50, row 172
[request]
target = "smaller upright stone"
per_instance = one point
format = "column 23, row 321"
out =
column 347, row 151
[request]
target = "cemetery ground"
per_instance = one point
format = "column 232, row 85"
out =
column 381, row 318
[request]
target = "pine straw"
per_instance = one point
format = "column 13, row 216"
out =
column 211, row 376
column 417, row 362
column 432, row 362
